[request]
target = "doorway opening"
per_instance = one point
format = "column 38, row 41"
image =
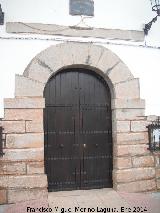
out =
column 78, row 131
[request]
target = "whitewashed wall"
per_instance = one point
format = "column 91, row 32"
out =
column 122, row 14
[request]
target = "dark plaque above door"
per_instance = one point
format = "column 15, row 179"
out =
column 81, row 7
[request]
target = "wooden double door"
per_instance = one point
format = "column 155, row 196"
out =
column 78, row 131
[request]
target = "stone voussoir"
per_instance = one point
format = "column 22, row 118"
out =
column 25, row 87
column 94, row 55
column 128, row 89
column 38, row 70
column 78, row 53
column 107, row 61
column 52, row 57
column 119, row 73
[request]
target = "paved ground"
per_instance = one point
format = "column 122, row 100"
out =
column 102, row 200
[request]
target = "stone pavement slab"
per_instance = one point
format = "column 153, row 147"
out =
column 96, row 200
column 21, row 207
column 3, row 208
column 148, row 201
column 92, row 201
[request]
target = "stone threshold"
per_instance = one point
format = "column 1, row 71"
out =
column 59, row 30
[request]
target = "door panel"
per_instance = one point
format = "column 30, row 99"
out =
column 77, row 126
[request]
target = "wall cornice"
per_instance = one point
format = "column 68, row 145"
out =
column 59, row 30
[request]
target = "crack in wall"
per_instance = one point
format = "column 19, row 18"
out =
column 43, row 64
column 102, row 52
column 88, row 59
column 111, row 68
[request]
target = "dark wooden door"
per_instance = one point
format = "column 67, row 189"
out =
column 78, row 131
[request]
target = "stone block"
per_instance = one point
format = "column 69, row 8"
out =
column 131, row 150
column 94, row 53
column 108, row 61
column 76, row 52
column 35, row 168
column 143, row 161
column 157, row 159
column 139, row 126
column 127, row 114
column 132, row 138
column 158, row 172
column 24, row 181
column 158, row 184
column 38, row 70
column 120, row 73
column 24, row 114
column 33, row 154
column 54, row 61
column 123, row 126
column 13, row 126
column 128, row 89
column 24, row 103
column 28, row 140
column 138, row 186
column 3, row 196
column 33, row 126
column 134, row 174
column 20, row 195
column 151, row 118
column 25, row 87
column 128, row 104
column 12, row 168
column 123, row 163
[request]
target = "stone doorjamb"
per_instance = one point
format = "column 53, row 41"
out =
column 23, row 162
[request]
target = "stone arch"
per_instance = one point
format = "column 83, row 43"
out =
column 97, row 58
column 125, row 91
column 23, row 121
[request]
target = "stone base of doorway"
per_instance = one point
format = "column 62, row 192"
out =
column 96, row 199
column 90, row 201
column 24, row 207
